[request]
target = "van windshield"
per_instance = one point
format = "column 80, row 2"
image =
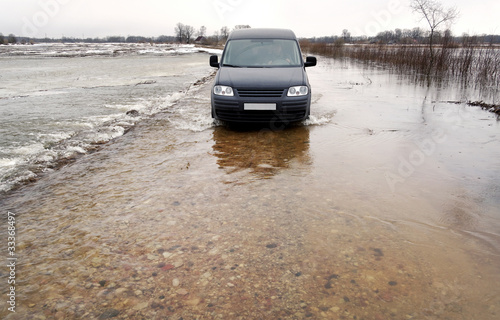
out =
column 255, row 53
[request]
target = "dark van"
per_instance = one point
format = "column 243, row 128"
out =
column 261, row 78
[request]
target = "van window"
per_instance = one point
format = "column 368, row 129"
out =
column 253, row 53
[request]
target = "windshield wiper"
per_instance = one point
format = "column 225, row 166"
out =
column 231, row 65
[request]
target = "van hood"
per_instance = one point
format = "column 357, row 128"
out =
column 257, row 78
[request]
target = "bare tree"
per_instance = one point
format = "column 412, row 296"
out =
column 215, row 38
column 179, row 32
column 224, row 33
column 416, row 33
column 188, row 33
column 346, row 35
column 12, row 39
column 398, row 34
column 183, row 33
column 202, row 32
column 435, row 15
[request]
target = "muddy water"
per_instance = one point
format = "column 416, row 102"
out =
column 382, row 206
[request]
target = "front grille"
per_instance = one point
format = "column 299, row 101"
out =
column 224, row 104
column 264, row 93
column 260, row 116
column 295, row 105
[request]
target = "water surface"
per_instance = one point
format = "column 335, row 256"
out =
column 382, row 206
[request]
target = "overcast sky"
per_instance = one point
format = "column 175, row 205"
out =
column 100, row 18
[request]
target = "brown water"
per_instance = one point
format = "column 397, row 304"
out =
column 383, row 206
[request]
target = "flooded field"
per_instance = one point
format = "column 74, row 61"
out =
column 384, row 205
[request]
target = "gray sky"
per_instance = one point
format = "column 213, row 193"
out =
column 100, row 18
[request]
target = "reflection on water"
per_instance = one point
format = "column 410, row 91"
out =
column 262, row 151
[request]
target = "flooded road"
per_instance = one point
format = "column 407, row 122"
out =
column 384, row 205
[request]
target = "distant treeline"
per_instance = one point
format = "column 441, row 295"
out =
column 12, row 39
column 408, row 36
column 187, row 34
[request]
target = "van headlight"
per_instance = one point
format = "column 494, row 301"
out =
column 223, row 91
column 298, row 91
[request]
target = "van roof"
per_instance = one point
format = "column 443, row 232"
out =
column 262, row 33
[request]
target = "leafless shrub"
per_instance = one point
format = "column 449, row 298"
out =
column 470, row 63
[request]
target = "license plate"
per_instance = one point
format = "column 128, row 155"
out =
column 259, row 106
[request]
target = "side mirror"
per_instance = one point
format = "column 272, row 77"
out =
column 214, row 61
column 310, row 62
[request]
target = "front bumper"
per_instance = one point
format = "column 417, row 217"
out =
column 288, row 109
